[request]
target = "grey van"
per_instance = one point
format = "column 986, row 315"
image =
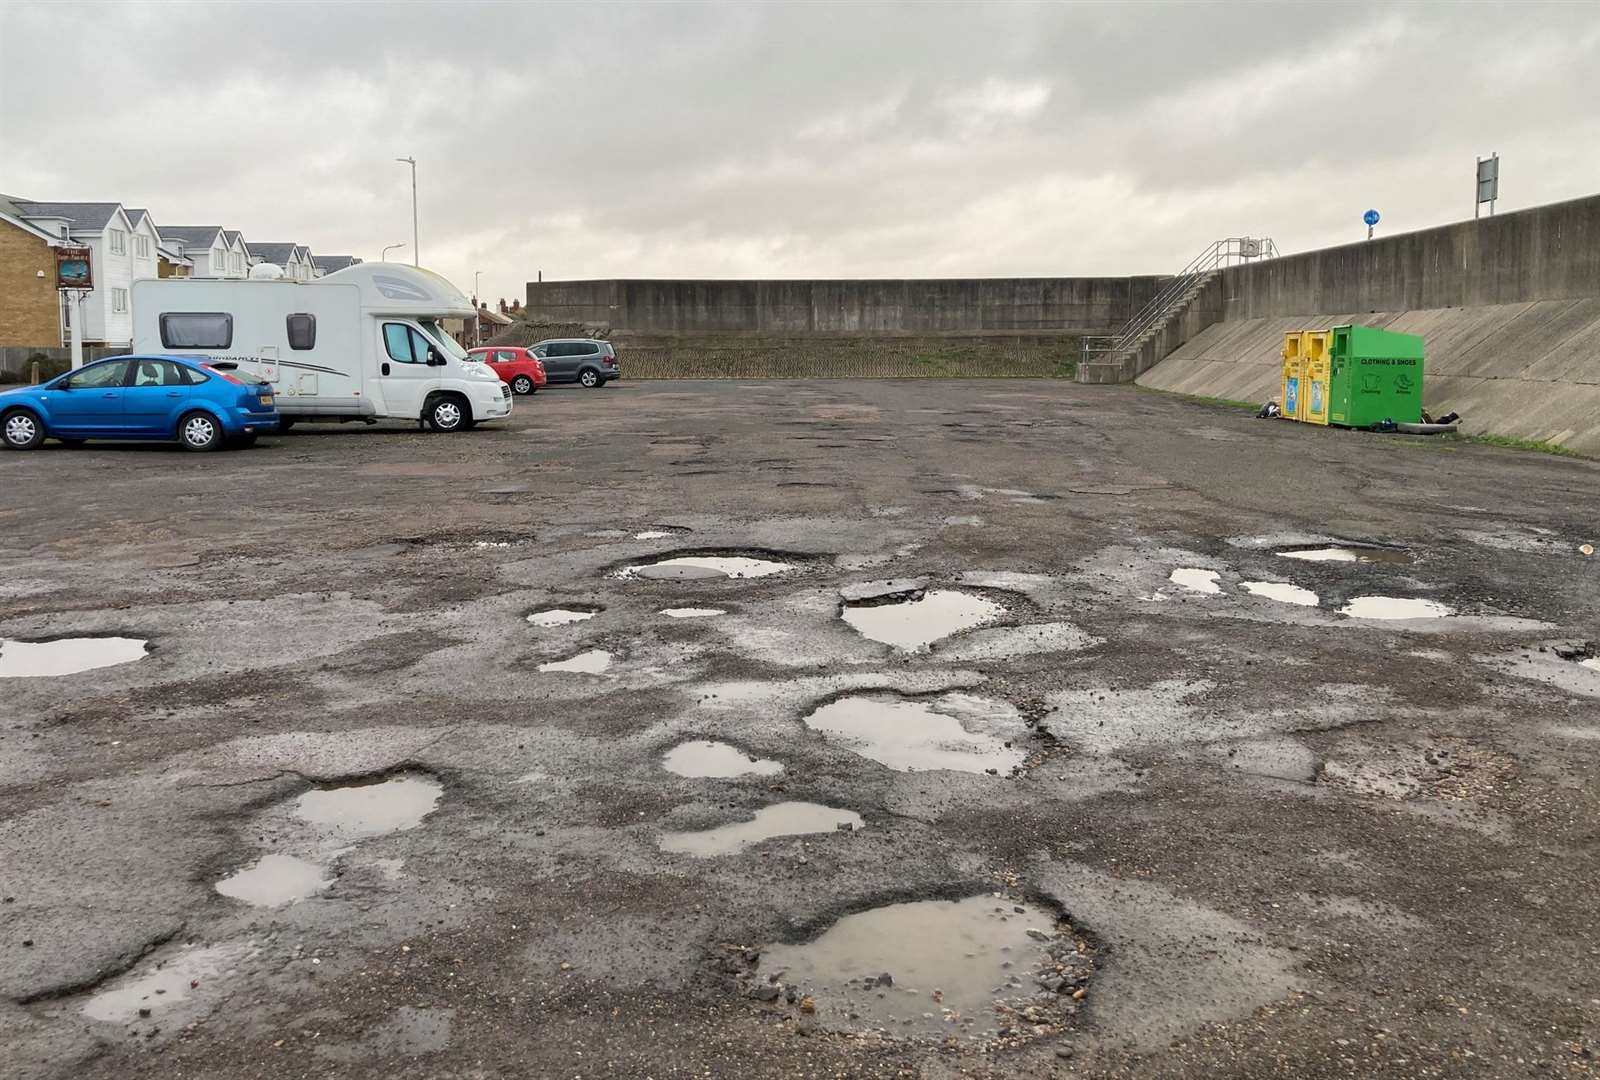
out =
column 586, row 361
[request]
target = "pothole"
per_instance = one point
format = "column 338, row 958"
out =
column 193, row 972
column 561, row 616
column 1280, row 591
column 708, row 565
column 913, row 624
column 959, row 732
column 1196, row 580
column 1348, row 553
column 692, row 612
column 1394, row 607
column 780, row 819
column 974, row 968
column 707, row 758
column 592, row 662
column 275, row 880
column 660, row 532
column 366, row 808
column 66, row 656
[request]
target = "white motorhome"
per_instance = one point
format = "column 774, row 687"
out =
column 365, row 343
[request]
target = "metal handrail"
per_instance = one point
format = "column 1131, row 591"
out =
column 1217, row 255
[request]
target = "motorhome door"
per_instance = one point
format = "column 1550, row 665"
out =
column 268, row 356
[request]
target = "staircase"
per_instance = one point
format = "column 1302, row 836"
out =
column 1123, row 356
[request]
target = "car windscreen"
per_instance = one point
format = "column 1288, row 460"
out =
column 444, row 340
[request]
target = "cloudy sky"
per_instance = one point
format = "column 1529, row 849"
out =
column 796, row 139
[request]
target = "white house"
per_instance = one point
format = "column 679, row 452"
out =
column 295, row 260
column 113, row 240
column 144, row 244
column 215, row 252
column 332, row 264
column 238, row 254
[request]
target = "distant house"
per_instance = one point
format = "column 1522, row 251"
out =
column 208, row 249
column 295, row 260
column 332, row 264
column 30, row 310
column 171, row 262
column 118, row 252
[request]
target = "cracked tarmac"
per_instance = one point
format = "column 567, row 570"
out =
column 1293, row 841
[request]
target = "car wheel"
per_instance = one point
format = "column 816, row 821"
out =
column 589, row 377
column 522, row 385
column 200, row 432
column 447, row 413
column 23, row 430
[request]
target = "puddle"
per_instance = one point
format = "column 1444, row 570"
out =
column 191, row 972
column 66, row 656
column 592, row 662
column 362, row 809
column 275, row 880
column 703, row 757
column 929, row 967
column 701, row 567
column 1394, row 607
column 692, row 612
column 1593, row 663
column 661, row 532
column 1200, row 581
column 1348, row 553
column 914, row 625
column 559, row 616
column 1281, row 592
column 956, row 731
column 780, row 819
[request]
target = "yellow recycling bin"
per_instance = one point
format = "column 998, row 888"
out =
column 1314, row 371
column 1290, row 399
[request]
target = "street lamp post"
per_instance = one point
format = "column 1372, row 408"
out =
column 388, row 248
column 477, row 321
column 416, row 248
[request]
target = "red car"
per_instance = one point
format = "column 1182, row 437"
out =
column 519, row 368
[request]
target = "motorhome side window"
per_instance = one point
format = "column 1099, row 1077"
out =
column 302, row 331
column 404, row 344
column 196, row 330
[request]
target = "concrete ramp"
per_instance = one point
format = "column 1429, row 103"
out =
column 1525, row 371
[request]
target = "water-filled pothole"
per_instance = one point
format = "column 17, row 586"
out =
column 707, row 758
column 780, row 819
column 275, row 880
column 66, row 656
column 936, row 968
column 960, row 732
column 560, row 616
column 1394, row 607
column 1196, row 580
column 1348, row 553
column 193, row 971
column 592, row 662
column 696, row 567
column 366, row 808
column 692, row 612
column 1280, row 591
column 914, row 624
column 661, row 532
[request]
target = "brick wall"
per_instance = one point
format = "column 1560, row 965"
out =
column 28, row 304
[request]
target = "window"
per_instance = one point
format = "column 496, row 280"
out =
column 157, row 373
column 141, row 246
column 119, row 242
column 302, row 331
column 192, row 376
column 237, row 262
column 505, row 357
column 404, row 344
column 119, row 299
column 196, row 330
column 110, row 373
column 219, row 263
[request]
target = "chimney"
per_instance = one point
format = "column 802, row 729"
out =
column 503, row 308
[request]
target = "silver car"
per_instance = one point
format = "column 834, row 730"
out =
column 589, row 362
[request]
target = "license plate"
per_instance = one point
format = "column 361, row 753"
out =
column 266, row 399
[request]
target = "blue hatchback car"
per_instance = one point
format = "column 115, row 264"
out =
column 141, row 397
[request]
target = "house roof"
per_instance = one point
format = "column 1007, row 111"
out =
column 273, row 253
column 233, row 236
column 135, row 215
column 81, row 215
column 172, row 256
column 9, row 211
column 329, row 263
column 191, row 235
column 491, row 315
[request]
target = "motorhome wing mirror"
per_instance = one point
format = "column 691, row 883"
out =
column 434, row 359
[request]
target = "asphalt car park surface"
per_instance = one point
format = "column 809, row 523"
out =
column 1252, row 834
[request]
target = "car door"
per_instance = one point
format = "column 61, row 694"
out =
column 155, row 395
column 89, row 401
column 560, row 365
column 403, row 371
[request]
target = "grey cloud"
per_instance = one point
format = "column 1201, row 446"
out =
column 801, row 139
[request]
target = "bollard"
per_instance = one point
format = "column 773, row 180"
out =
column 36, row 373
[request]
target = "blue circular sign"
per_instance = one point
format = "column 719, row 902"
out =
column 1370, row 217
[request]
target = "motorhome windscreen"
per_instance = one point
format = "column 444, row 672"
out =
column 442, row 339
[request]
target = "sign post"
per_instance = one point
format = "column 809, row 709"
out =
column 75, row 281
column 1488, row 186
column 1371, row 218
